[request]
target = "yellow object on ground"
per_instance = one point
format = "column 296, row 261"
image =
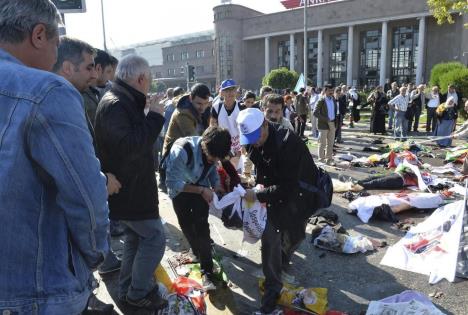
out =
column 312, row 299
column 161, row 275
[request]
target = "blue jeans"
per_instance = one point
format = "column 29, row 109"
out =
column 143, row 250
column 391, row 114
column 401, row 126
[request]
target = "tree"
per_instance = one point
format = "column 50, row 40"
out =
column 158, row 87
column 281, row 78
column 443, row 9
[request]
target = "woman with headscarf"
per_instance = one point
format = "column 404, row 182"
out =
column 447, row 115
column 379, row 101
column 354, row 106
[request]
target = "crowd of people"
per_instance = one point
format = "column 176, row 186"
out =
column 81, row 141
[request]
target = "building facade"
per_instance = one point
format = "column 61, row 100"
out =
column 356, row 42
column 169, row 58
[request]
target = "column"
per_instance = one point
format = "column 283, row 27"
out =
column 267, row 55
column 291, row 52
column 421, row 43
column 383, row 53
column 349, row 63
column 320, row 58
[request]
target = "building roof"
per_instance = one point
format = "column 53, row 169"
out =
column 175, row 40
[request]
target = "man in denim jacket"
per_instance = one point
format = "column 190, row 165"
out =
column 52, row 193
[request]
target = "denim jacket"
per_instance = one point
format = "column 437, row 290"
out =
column 53, row 197
column 178, row 173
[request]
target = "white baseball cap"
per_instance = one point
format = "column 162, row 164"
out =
column 249, row 122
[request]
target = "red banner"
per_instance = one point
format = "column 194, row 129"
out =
column 291, row 4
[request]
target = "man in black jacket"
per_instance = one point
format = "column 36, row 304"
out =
column 283, row 162
column 125, row 138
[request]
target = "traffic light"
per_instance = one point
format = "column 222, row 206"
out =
column 191, row 73
column 70, row 6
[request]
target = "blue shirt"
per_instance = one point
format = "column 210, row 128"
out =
column 331, row 108
column 178, row 173
column 53, row 201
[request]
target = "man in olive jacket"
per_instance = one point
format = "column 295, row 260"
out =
column 325, row 111
column 186, row 121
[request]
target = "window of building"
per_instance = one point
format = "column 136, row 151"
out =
column 370, row 58
column 199, row 70
column 225, row 52
column 170, row 57
column 404, row 54
column 284, row 51
column 338, row 55
column 200, row 53
column 184, row 55
column 312, row 58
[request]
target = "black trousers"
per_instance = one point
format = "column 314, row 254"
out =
column 414, row 117
column 301, row 125
column 393, row 181
column 192, row 213
column 277, row 250
column 431, row 122
column 339, row 125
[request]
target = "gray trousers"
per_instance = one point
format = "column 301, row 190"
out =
column 144, row 247
column 277, row 250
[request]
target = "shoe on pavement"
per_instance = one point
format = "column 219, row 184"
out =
column 96, row 306
column 152, row 301
column 110, row 264
column 207, row 283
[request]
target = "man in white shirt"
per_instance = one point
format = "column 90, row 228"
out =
column 400, row 103
column 432, row 104
column 224, row 114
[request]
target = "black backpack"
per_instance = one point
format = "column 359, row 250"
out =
column 322, row 189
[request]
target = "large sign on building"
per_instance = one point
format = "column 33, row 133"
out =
column 70, row 6
column 291, row 4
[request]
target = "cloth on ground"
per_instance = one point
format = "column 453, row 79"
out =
column 431, row 247
column 406, row 303
column 327, row 233
column 365, row 205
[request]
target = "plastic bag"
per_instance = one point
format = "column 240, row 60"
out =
column 193, row 290
column 312, row 299
column 178, row 304
column 254, row 218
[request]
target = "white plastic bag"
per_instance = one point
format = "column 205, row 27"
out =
column 255, row 216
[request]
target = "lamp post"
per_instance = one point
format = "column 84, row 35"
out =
column 103, row 25
column 305, row 43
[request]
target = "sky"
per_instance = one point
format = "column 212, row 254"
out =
column 134, row 21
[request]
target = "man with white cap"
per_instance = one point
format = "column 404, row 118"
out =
column 225, row 112
column 283, row 163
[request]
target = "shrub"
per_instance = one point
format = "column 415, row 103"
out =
column 281, row 78
column 441, row 69
column 459, row 78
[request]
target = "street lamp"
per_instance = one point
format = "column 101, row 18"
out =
column 103, row 25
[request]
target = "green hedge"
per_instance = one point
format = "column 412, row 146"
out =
column 441, row 69
column 457, row 77
column 281, row 78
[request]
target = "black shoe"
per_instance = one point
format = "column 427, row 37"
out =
column 152, row 301
column 97, row 307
